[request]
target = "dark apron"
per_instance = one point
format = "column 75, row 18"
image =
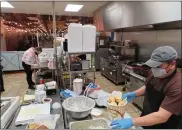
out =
column 152, row 102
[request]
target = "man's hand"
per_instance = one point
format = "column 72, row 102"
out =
column 130, row 96
column 125, row 123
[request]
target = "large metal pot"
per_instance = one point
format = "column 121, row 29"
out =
column 78, row 107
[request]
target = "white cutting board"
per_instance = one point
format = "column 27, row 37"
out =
column 28, row 113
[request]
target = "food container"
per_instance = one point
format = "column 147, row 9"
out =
column 85, row 64
column 40, row 87
column 44, row 120
column 89, row 124
column 52, row 63
column 75, row 37
column 39, row 95
column 78, row 107
column 89, row 38
column 96, row 112
column 116, row 112
column 43, row 61
column 77, row 85
column 47, row 100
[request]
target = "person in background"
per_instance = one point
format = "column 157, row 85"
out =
column 162, row 107
column 30, row 59
column 1, row 79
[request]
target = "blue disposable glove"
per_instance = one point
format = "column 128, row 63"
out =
column 65, row 94
column 125, row 123
column 130, row 96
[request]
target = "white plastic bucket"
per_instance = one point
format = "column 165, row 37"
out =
column 77, row 85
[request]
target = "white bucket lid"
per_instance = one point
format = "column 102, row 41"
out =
column 77, row 80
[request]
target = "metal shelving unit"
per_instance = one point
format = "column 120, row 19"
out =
column 122, row 46
column 65, row 71
column 92, row 66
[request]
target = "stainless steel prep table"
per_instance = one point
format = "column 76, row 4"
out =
column 60, row 122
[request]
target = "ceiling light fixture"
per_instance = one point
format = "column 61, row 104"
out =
column 73, row 8
column 5, row 4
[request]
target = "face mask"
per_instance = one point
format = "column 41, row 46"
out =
column 158, row 72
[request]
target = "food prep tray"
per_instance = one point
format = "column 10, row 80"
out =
column 89, row 124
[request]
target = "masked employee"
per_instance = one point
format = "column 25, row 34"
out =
column 30, row 59
column 162, row 92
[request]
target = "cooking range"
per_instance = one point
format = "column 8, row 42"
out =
column 120, row 53
column 112, row 68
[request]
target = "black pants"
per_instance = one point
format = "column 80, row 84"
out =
column 28, row 72
column 1, row 81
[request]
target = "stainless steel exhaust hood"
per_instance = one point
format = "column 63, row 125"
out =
column 160, row 26
column 141, row 16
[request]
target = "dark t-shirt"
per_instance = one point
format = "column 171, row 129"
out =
column 173, row 94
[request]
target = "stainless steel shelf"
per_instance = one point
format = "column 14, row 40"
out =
column 81, row 53
column 75, row 72
column 69, row 72
column 123, row 46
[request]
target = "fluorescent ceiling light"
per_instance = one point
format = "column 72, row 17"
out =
column 73, row 8
column 5, row 4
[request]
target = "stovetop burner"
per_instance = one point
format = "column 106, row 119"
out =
column 138, row 68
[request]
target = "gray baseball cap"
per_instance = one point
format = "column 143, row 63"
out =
column 161, row 55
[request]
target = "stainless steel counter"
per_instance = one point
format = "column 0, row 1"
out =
column 60, row 122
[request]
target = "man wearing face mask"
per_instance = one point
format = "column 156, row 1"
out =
column 162, row 107
column 30, row 59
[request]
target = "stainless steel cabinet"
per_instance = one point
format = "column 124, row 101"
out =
column 134, row 85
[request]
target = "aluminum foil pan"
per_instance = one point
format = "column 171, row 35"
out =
column 89, row 124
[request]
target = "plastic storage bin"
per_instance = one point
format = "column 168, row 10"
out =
column 43, row 62
column 89, row 38
column 52, row 63
column 43, row 59
column 74, row 38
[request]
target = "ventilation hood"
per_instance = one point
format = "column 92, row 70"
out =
column 160, row 26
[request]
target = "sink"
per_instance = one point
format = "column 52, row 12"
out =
column 9, row 105
column 5, row 104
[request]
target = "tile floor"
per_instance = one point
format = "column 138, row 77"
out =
column 16, row 85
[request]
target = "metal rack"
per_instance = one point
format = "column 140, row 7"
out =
column 65, row 70
column 92, row 66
